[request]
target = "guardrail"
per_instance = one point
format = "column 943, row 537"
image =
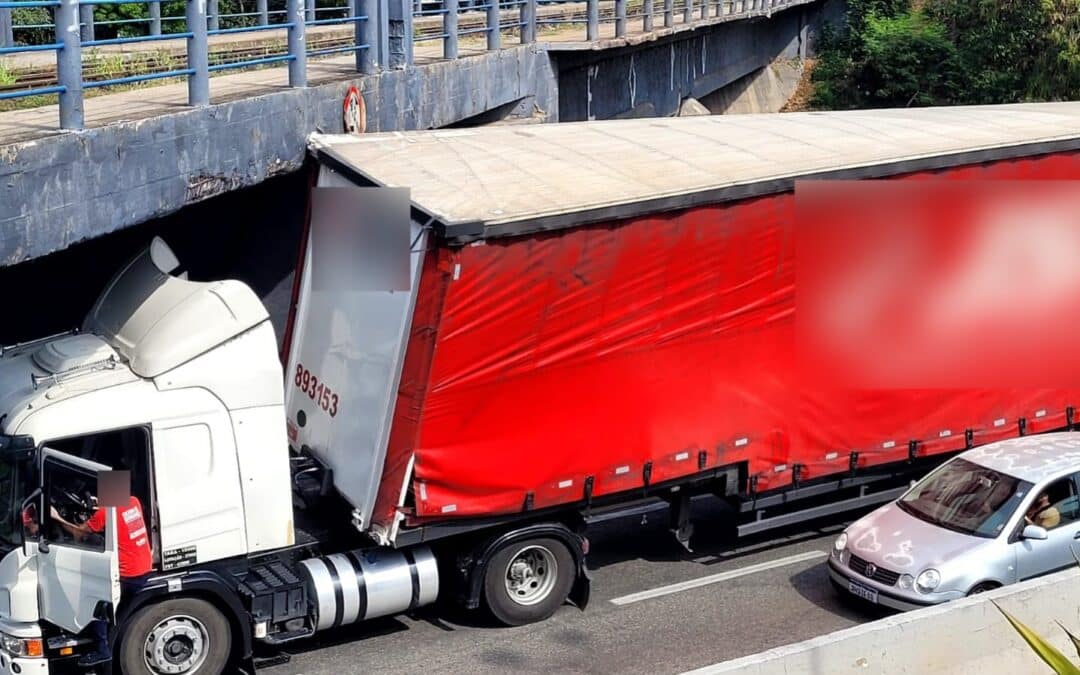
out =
column 383, row 34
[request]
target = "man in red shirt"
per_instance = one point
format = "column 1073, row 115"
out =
column 132, row 537
column 136, row 559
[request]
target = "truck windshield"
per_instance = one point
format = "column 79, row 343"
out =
column 14, row 476
column 965, row 497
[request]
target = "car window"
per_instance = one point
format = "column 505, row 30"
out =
column 1055, row 506
column 965, row 497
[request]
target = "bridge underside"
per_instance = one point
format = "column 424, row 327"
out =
column 61, row 189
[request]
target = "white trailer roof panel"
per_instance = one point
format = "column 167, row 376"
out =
column 498, row 180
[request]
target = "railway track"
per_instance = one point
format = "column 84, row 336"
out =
column 114, row 65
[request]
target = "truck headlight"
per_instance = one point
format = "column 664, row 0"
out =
column 17, row 646
column 927, row 581
column 840, row 544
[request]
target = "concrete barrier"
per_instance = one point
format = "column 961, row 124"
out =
column 962, row 637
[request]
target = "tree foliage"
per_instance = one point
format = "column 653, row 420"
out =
column 941, row 52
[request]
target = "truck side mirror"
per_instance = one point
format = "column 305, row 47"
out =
column 31, row 523
column 1033, row 532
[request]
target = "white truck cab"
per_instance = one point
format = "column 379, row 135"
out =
column 175, row 389
column 175, row 381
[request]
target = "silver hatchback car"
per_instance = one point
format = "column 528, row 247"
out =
column 991, row 516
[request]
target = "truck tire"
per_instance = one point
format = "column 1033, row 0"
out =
column 528, row 580
column 183, row 636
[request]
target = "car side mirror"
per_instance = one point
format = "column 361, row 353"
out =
column 1033, row 532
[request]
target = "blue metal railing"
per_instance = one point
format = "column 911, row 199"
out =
column 58, row 46
column 379, row 34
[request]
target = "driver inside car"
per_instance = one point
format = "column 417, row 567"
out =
column 1042, row 514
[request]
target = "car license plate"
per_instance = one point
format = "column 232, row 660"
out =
column 863, row 592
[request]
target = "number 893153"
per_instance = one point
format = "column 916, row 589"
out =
column 317, row 391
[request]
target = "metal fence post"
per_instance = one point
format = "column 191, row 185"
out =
column 705, row 9
column 592, row 20
column 263, row 10
column 382, row 32
column 86, row 20
column 294, row 11
column 450, row 29
column 620, row 18
column 155, row 17
column 669, row 13
column 398, row 29
column 647, row 19
column 688, row 11
column 198, row 56
column 69, row 64
column 494, row 24
column 365, row 35
column 213, row 14
column 528, row 21
column 310, row 4
column 7, row 37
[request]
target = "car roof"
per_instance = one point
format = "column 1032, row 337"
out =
column 1031, row 458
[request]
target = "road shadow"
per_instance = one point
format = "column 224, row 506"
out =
column 647, row 537
column 814, row 586
column 442, row 615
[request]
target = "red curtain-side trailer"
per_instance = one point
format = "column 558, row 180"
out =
column 622, row 343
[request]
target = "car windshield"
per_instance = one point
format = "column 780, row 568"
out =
column 965, row 497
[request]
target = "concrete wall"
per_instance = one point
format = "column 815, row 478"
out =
column 66, row 188
column 958, row 638
column 652, row 79
column 763, row 91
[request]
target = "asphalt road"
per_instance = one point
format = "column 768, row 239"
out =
column 764, row 592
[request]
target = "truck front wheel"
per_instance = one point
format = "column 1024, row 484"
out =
column 183, row 636
column 527, row 580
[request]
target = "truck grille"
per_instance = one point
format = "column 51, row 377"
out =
column 887, row 577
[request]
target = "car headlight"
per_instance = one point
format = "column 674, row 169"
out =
column 17, row 646
column 927, row 581
column 840, row 544
column 906, row 581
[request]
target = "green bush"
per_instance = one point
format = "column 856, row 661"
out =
column 32, row 16
column 909, row 61
column 941, row 52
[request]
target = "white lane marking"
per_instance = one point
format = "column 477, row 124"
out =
column 716, row 578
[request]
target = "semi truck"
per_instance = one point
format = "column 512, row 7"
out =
column 584, row 317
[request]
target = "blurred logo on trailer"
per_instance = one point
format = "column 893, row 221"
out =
column 916, row 284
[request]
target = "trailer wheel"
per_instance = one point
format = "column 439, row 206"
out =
column 183, row 636
column 528, row 580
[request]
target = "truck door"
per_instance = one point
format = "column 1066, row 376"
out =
column 76, row 572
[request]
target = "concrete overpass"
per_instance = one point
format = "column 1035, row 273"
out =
column 149, row 152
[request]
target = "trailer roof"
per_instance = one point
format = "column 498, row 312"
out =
column 502, row 180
